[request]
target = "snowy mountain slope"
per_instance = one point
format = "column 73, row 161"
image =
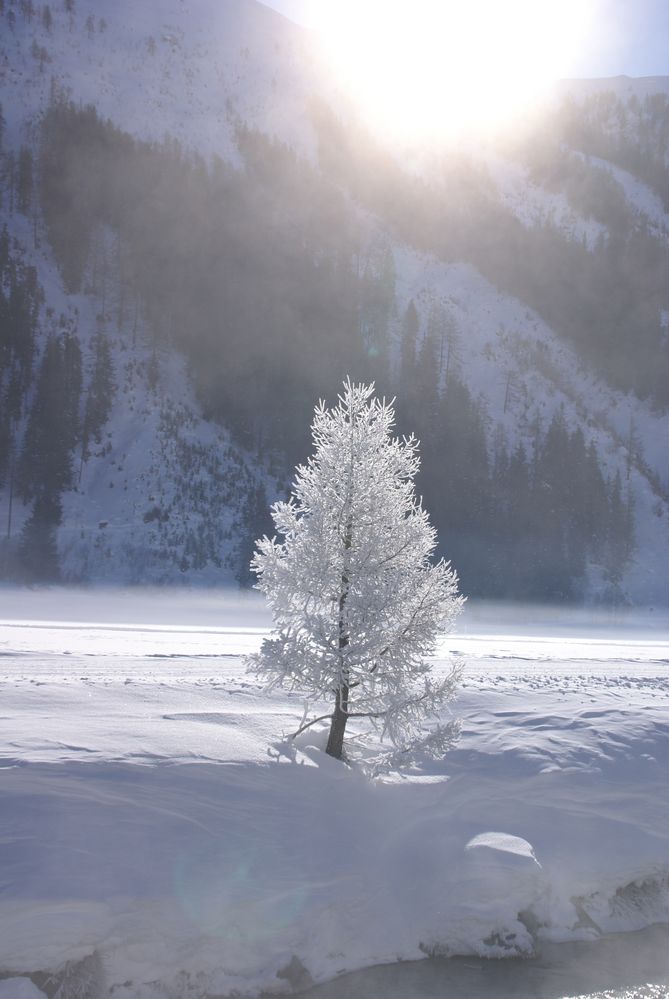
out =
column 187, row 68
column 534, row 205
column 501, row 337
column 525, row 373
column 639, row 196
column 163, row 496
column 194, row 70
column 622, row 100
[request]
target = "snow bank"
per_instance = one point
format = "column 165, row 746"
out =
column 154, row 822
column 19, row 988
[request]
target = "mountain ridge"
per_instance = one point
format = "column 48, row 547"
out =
column 519, row 369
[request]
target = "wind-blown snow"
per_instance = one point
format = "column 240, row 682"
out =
column 153, row 816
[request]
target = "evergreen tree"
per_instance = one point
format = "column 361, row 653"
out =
column 4, row 250
column 10, row 177
column 410, row 327
column 356, row 600
column 377, row 294
column 446, row 335
column 24, row 180
column 257, row 522
column 100, row 392
column 426, row 387
column 619, row 535
column 72, row 383
column 520, row 542
column 5, row 441
column 38, row 551
column 594, row 505
column 455, row 480
column 45, row 465
column 553, row 576
column 20, row 318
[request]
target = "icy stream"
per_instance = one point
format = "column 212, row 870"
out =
column 621, row 966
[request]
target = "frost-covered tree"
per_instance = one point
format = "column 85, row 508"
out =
column 356, row 600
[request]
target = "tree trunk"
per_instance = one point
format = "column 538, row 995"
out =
column 335, row 746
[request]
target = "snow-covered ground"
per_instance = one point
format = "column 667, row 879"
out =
column 155, row 822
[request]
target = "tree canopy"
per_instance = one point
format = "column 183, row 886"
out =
column 357, row 601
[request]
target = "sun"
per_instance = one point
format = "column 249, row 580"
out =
column 426, row 69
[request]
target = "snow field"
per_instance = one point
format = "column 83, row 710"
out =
column 152, row 814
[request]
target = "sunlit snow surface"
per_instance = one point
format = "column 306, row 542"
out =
column 152, row 813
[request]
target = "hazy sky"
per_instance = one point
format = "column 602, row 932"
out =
column 630, row 36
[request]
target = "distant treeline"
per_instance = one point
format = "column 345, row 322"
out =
column 255, row 274
column 608, row 300
column 47, row 421
column 264, row 279
column 516, row 522
column 632, row 133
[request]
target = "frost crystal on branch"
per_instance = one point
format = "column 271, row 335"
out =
column 356, row 600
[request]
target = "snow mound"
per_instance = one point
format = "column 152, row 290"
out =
column 502, row 847
column 19, row 988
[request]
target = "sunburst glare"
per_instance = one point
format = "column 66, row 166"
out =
column 432, row 68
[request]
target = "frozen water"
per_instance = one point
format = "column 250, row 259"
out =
column 629, row 966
